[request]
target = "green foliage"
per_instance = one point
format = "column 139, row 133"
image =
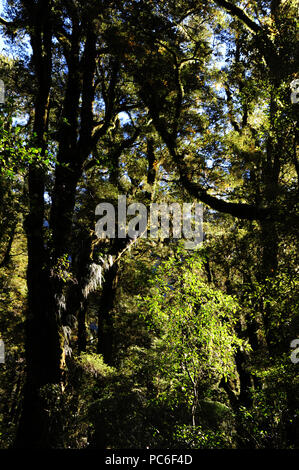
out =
column 194, row 437
column 16, row 154
column 196, row 321
column 181, row 101
column 94, row 364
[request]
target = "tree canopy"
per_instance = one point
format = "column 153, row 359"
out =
column 141, row 342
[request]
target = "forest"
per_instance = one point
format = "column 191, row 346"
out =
column 143, row 341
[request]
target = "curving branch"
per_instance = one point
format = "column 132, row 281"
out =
column 239, row 13
column 11, row 26
column 263, row 42
column 240, row 210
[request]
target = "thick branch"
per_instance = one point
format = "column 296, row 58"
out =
column 239, row 13
column 234, row 123
column 240, row 210
column 263, row 42
column 88, row 67
column 109, row 98
column 11, row 26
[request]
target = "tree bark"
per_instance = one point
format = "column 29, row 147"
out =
column 105, row 320
column 43, row 352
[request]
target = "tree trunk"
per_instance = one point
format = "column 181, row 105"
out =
column 43, row 351
column 105, row 320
